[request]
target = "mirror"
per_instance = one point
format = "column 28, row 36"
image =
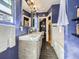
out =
column 26, row 21
column 26, row 18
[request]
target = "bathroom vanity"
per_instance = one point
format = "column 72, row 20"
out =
column 30, row 45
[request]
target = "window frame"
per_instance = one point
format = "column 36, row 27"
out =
column 8, row 14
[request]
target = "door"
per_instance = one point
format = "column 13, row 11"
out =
column 43, row 28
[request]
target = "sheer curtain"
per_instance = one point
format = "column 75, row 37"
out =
column 62, row 19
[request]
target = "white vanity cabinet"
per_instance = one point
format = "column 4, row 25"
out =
column 58, row 40
column 30, row 46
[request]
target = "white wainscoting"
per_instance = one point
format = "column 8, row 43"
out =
column 7, row 37
column 58, row 40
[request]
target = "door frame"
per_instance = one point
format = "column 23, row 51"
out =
column 39, row 20
column 47, row 26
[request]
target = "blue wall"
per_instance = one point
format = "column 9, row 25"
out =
column 55, row 13
column 71, row 42
column 26, row 13
column 42, row 14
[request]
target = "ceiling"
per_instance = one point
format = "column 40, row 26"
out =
column 41, row 5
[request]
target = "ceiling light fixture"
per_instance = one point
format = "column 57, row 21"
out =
column 31, row 4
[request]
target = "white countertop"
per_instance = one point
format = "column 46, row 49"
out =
column 32, row 37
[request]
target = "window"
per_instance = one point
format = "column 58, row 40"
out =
column 6, row 11
column 7, row 1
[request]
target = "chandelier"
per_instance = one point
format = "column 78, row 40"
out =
column 31, row 4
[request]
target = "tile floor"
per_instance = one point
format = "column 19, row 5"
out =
column 47, row 52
